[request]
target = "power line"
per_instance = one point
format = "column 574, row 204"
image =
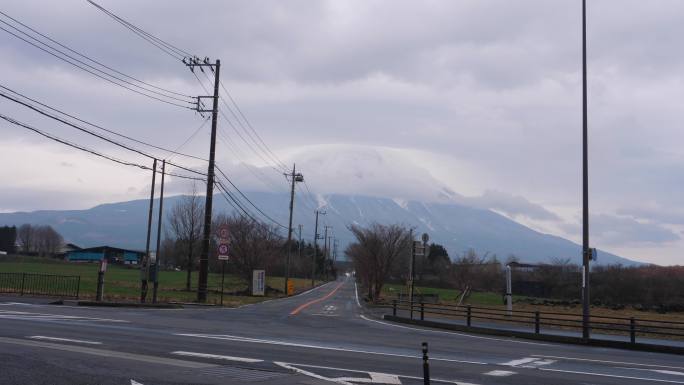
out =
column 100, row 127
column 177, row 53
column 91, row 59
column 85, row 149
column 96, row 74
column 168, row 48
column 109, row 140
column 174, row 152
column 261, row 142
column 247, row 199
column 230, row 123
column 245, row 214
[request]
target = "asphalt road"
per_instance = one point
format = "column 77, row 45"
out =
column 319, row 337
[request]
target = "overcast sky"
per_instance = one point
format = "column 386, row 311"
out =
column 481, row 98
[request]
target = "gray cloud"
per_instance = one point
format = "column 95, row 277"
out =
column 620, row 231
column 494, row 85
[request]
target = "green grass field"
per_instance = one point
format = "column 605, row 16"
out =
column 449, row 295
column 123, row 283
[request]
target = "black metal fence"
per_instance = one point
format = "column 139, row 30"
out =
column 40, row 284
column 539, row 321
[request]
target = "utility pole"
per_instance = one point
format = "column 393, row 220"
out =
column 585, row 183
column 335, row 254
column 155, row 271
column 296, row 177
column 315, row 253
column 204, row 255
column 146, row 258
column 299, row 249
column 325, row 251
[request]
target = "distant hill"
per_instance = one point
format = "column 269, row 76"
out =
column 455, row 226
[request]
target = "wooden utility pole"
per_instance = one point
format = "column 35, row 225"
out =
column 146, row 258
column 204, row 255
column 295, row 178
column 155, row 273
column 315, row 253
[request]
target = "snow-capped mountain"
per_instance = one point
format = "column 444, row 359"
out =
column 456, row 226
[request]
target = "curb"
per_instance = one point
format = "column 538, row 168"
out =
column 540, row 337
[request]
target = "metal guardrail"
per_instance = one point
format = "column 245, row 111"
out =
column 40, row 284
column 621, row 325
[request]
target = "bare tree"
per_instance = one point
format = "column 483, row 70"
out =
column 253, row 245
column 379, row 250
column 25, row 233
column 46, row 241
column 185, row 222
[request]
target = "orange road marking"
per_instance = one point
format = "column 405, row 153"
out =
column 304, row 306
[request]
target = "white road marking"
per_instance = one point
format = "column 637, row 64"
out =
column 520, row 361
column 454, row 333
column 64, row 340
column 109, row 353
column 216, row 356
column 310, row 374
column 134, row 382
column 499, row 373
column 528, row 362
column 375, row 378
column 661, row 371
column 294, row 367
column 611, row 375
column 29, row 316
column 335, row 348
column 608, row 362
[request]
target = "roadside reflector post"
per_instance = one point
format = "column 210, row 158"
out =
column 536, row 322
column 422, row 311
column 426, row 365
column 394, row 307
column 468, row 317
column 632, row 330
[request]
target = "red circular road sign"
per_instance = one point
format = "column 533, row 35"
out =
column 223, row 232
column 223, row 249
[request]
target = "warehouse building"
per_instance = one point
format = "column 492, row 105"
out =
column 112, row 254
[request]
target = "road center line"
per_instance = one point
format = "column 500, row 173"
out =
column 304, row 306
column 611, row 375
column 309, row 346
column 109, row 353
column 609, row 362
column 216, row 356
column 64, row 340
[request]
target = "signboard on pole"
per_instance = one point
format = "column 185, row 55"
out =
column 258, row 282
column 224, row 241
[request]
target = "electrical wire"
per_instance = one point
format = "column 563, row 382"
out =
column 268, row 151
column 109, row 140
column 102, row 128
column 168, row 48
column 245, row 214
column 248, row 200
column 88, row 150
column 91, row 59
column 96, row 74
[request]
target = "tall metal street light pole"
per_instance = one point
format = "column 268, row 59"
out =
column 585, row 183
